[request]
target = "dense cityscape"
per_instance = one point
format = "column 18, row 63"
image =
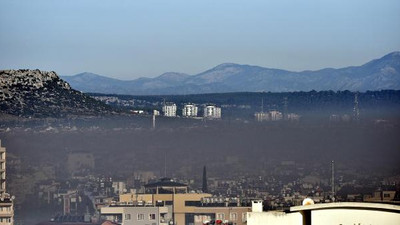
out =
column 199, row 112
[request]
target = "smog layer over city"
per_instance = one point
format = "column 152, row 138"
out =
column 276, row 112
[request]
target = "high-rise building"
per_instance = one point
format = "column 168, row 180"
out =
column 212, row 112
column 189, row 110
column 6, row 201
column 169, row 109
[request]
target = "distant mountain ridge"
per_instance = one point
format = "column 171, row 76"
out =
column 378, row 74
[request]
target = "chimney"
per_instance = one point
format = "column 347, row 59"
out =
column 256, row 206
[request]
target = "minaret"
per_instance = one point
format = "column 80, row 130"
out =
column 205, row 190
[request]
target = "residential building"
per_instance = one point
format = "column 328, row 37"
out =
column 129, row 214
column 327, row 213
column 212, row 112
column 234, row 215
column 272, row 115
column 189, row 110
column 187, row 208
column 275, row 115
column 386, row 195
column 169, row 109
column 6, row 200
column 262, row 116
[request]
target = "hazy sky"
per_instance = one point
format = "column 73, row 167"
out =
column 130, row 39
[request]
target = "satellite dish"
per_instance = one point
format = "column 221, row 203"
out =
column 308, row 201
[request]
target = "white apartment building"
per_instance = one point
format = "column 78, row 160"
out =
column 212, row 112
column 275, row 115
column 262, row 116
column 169, row 109
column 272, row 115
column 328, row 214
column 189, row 110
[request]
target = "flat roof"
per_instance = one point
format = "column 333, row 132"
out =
column 348, row 205
column 165, row 182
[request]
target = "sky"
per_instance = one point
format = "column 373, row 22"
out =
column 131, row 39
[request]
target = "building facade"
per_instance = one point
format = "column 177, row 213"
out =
column 169, row 109
column 272, row 115
column 187, row 208
column 6, row 200
column 328, row 214
column 189, row 110
column 136, row 215
column 212, row 112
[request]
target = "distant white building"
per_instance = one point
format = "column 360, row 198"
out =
column 328, row 214
column 119, row 187
column 212, row 112
column 189, row 110
column 262, row 116
column 275, row 115
column 293, row 117
column 169, row 109
column 272, row 115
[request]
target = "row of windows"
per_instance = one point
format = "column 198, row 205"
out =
column 7, row 220
column 5, row 208
column 140, row 216
column 233, row 216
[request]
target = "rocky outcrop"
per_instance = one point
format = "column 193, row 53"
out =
column 43, row 94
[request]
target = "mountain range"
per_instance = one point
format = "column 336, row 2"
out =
column 378, row 74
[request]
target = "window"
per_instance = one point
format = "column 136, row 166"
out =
column 386, row 195
column 192, row 203
column 233, row 216
column 220, row 216
column 244, row 217
column 127, row 216
column 152, row 216
column 140, row 216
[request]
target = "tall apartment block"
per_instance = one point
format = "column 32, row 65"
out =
column 6, row 201
column 189, row 110
column 169, row 109
column 212, row 112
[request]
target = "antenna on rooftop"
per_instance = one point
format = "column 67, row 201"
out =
column 285, row 108
column 356, row 109
column 333, row 180
column 165, row 163
column 262, row 104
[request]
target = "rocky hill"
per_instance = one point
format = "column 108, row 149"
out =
column 43, row 94
column 378, row 74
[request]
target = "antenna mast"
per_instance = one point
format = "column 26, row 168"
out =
column 356, row 109
column 262, row 105
column 333, row 179
column 165, row 164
